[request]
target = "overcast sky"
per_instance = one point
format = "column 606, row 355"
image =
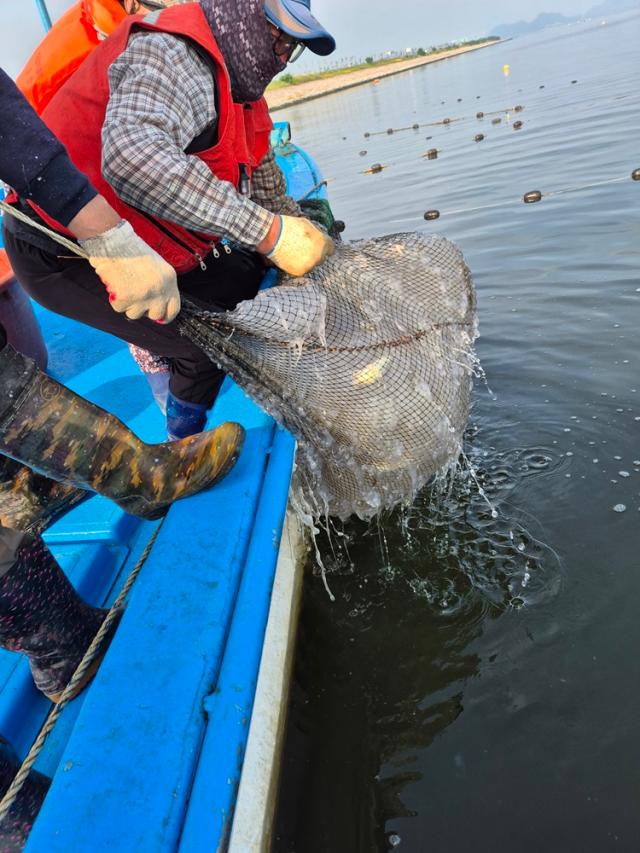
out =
column 360, row 27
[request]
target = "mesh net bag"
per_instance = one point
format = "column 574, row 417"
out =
column 367, row 360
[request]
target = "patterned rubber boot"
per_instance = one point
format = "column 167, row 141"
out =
column 56, row 432
column 16, row 825
column 42, row 615
column 31, row 502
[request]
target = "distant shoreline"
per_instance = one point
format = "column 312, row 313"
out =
column 297, row 93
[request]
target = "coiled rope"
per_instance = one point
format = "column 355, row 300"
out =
column 69, row 692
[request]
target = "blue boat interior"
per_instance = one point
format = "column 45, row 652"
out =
column 149, row 756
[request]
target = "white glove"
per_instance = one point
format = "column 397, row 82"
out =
column 300, row 246
column 140, row 283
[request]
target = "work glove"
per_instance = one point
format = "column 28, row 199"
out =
column 300, row 246
column 140, row 283
column 318, row 210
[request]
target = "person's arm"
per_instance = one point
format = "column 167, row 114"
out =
column 36, row 164
column 162, row 96
column 269, row 188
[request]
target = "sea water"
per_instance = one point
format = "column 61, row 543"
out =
column 475, row 685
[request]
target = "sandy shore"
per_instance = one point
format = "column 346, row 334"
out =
column 294, row 94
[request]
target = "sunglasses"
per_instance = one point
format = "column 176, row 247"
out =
column 285, row 46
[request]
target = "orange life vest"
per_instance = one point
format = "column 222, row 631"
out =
column 65, row 47
column 243, row 130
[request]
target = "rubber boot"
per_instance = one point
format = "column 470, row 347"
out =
column 184, row 418
column 42, row 615
column 17, row 823
column 49, row 428
column 31, row 502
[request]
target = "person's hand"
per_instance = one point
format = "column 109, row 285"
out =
column 295, row 245
column 140, row 283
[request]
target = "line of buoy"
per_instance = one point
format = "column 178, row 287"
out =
column 531, row 197
column 431, row 153
column 445, row 121
column 479, row 115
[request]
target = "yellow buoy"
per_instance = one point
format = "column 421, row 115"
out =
column 506, row 70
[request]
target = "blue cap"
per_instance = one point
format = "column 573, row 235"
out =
column 294, row 18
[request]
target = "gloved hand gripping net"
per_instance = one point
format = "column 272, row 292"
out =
column 367, row 360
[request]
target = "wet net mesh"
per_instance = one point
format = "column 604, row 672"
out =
column 367, row 360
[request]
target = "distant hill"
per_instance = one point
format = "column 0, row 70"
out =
column 554, row 19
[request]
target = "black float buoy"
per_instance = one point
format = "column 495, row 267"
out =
column 496, row 120
column 377, row 167
column 541, row 87
column 479, row 115
column 446, row 121
column 635, row 175
column 428, row 137
column 432, row 154
column 459, row 100
column 416, row 127
column 432, row 214
column 532, row 197
column 389, row 130
column 479, row 137
column 518, row 108
column 367, row 135
column 363, row 152
column 574, row 81
column 517, row 125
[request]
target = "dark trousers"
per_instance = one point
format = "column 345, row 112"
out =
column 69, row 286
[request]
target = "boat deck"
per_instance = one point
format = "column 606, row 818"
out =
column 149, row 757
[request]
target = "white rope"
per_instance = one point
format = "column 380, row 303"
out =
column 59, row 238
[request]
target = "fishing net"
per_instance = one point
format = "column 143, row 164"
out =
column 367, row 360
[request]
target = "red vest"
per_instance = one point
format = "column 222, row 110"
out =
column 76, row 115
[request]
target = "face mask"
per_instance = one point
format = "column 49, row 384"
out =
column 242, row 33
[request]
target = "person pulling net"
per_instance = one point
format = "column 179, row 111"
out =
column 367, row 359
